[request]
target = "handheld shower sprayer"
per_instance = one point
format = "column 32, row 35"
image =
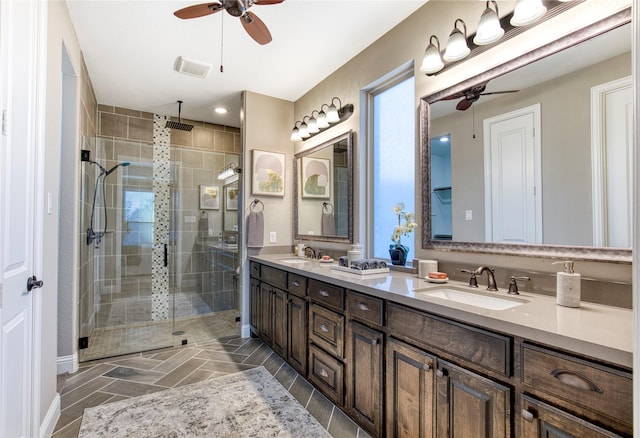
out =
column 93, row 235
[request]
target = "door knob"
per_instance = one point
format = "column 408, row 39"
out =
column 33, row 283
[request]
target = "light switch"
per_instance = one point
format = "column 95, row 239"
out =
column 272, row 237
column 468, row 215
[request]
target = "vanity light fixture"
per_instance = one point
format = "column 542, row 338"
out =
column 457, row 47
column 220, row 110
column 311, row 125
column 332, row 112
column 229, row 171
column 295, row 133
column 304, row 130
column 527, row 12
column 489, row 29
column 432, row 61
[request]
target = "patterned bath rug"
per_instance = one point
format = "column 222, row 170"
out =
column 251, row 403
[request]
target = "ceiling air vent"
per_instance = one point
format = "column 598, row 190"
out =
column 191, row 67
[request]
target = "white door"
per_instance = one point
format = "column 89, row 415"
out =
column 513, row 205
column 612, row 162
column 18, row 140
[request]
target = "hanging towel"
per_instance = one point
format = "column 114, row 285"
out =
column 328, row 220
column 203, row 225
column 255, row 226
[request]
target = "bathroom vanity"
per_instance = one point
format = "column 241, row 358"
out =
column 404, row 357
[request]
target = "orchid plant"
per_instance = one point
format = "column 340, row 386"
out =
column 405, row 227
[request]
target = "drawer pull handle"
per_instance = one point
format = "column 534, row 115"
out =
column 323, row 292
column 440, row 373
column 576, row 380
column 375, row 341
column 324, row 328
column 527, row 415
column 426, row 367
column 364, row 307
column 323, row 373
column 296, row 283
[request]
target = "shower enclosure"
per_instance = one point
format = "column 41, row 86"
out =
column 159, row 257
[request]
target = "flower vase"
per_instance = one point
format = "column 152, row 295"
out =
column 398, row 254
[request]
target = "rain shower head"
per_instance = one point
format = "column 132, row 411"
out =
column 179, row 125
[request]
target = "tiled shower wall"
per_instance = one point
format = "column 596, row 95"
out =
column 123, row 273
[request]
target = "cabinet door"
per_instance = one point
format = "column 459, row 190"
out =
column 254, row 299
column 297, row 346
column 279, row 312
column 364, row 376
column 410, row 391
column 469, row 405
column 265, row 320
column 542, row 420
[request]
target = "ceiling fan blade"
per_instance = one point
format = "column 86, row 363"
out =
column 267, row 2
column 499, row 92
column 464, row 105
column 200, row 10
column 255, row 28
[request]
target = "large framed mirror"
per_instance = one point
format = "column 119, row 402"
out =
column 323, row 191
column 534, row 157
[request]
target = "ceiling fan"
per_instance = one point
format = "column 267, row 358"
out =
column 472, row 94
column 237, row 8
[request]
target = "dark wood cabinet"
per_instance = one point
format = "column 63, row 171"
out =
column 297, row 342
column 364, row 380
column 542, row 420
column 470, row 405
column 254, row 299
column 265, row 319
column 409, row 391
column 280, row 321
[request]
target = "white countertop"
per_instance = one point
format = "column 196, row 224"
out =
column 599, row 331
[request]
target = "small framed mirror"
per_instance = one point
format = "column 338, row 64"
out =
column 323, row 191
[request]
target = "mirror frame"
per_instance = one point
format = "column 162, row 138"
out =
column 296, row 178
column 615, row 255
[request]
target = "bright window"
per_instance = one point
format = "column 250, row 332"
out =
column 393, row 163
column 138, row 216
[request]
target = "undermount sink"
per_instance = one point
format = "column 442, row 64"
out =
column 293, row 261
column 475, row 299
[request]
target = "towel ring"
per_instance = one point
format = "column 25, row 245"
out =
column 327, row 207
column 256, row 202
column 203, row 215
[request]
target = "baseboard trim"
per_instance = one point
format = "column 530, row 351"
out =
column 68, row 364
column 50, row 420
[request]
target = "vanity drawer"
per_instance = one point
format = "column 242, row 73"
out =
column 327, row 373
column 297, row 284
column 480, row 347
column 587, row 384
column 327, row 294
column 254, row 269
column 365, row 308
column 274, row 277
column 326, row 329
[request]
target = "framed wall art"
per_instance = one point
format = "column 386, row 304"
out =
column 209, row 197
column 231, row 198
column 316, row 177
column 268, row 173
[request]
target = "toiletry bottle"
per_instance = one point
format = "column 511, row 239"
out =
column 568, row 286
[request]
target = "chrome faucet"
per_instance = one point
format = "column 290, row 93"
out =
column 491, row 279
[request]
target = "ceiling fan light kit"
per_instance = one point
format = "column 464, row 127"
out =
column 333, row 116
column 491, row 29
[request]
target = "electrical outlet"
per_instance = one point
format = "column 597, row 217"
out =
column 272, row 237
column 468, row 215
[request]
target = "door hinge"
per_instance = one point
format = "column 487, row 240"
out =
column 83, row 343
column 4, row 122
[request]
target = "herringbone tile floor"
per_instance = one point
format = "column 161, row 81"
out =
column 118, row 378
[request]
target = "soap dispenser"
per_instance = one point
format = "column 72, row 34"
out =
column 568, row 286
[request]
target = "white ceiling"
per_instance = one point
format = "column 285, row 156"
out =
column 130, row 48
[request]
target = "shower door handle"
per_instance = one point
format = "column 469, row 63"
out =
column 166, row 256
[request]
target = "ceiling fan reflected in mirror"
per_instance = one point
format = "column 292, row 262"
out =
column 471, row 95
column 236, row 8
